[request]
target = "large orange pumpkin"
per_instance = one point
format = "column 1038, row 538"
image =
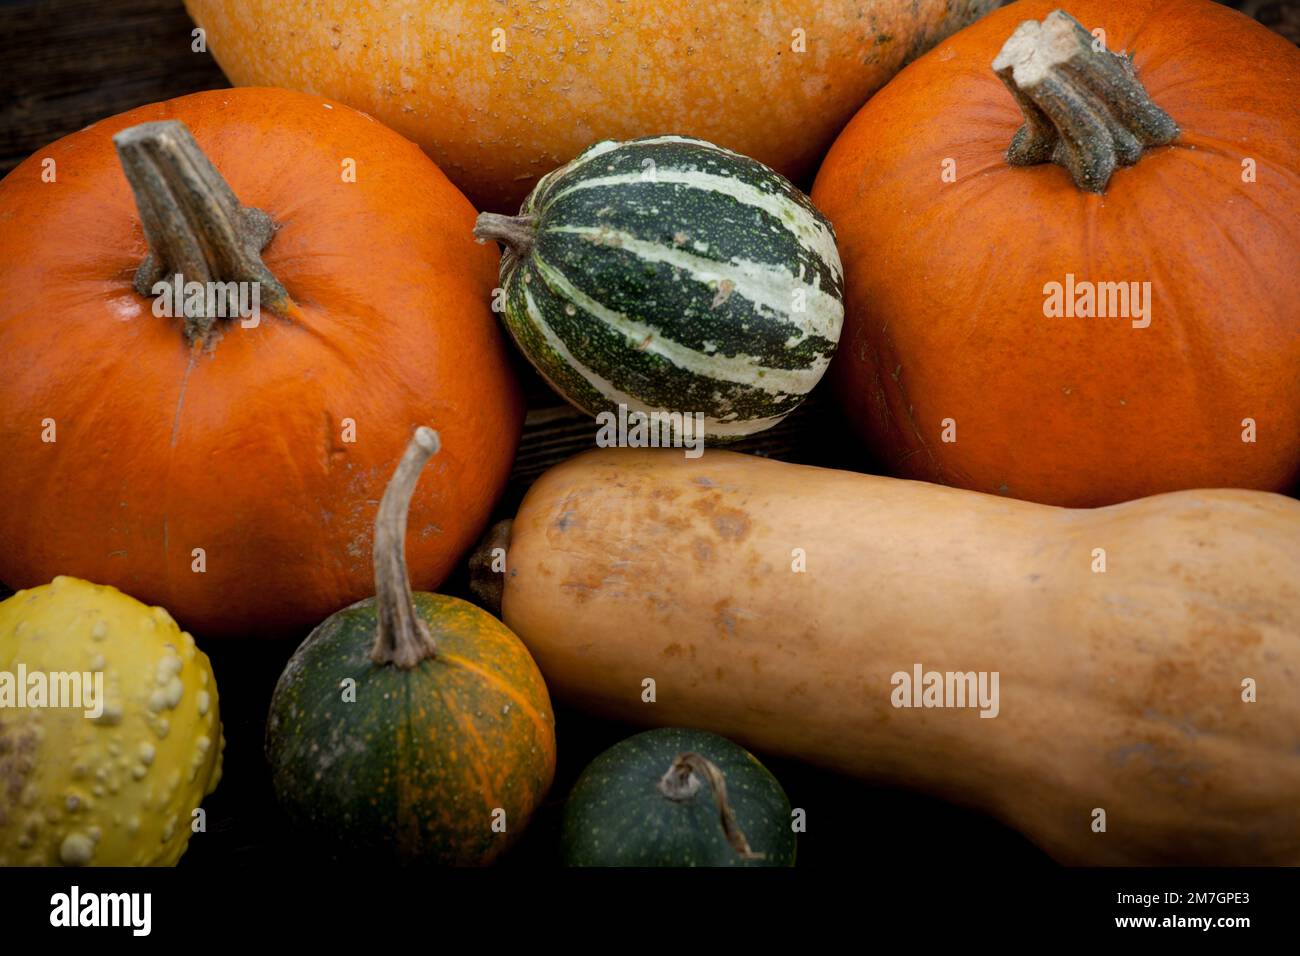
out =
column 967, row 356
column 500, row 93
column 226, row 471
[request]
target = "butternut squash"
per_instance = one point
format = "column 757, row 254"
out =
column 1146, row 654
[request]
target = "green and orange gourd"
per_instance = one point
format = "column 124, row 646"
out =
column 411, row 727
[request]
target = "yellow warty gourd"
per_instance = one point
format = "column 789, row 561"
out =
column 115, row 779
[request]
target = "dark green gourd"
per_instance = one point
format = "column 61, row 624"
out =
column 675, row 797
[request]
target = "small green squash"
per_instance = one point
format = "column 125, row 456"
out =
column 669, row 275
column 675, row 797
column 411, row 727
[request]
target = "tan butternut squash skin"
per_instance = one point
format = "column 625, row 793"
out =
column 1119, row 690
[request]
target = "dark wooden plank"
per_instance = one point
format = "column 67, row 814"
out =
column 68, row 63
column 1280, row 15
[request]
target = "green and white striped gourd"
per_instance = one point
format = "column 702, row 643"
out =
column 668, row 274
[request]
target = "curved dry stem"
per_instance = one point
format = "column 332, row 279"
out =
column 403, row 638
column 1084, row 107
column 516, row 233
column 682, row 782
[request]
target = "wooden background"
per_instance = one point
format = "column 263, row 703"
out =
column 67, row 63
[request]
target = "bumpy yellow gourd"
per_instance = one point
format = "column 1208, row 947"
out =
column 118, row 789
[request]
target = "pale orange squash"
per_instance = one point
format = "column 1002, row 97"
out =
column 774, row 603
column 501, row 93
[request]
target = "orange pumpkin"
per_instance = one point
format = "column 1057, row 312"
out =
column 225, row 469
column 501, row 93
column 972, row 262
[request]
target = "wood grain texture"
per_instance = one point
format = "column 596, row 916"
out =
column 68, row 63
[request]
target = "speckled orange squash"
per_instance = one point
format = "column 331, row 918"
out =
column 228, row 471
column 500, row 93
column 413, row 728
column 957, row 230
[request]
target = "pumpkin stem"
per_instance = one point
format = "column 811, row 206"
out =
column 403, row 638
column 682, row 782
column 1084, row 107
column 516, row 233
column 195, row 226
